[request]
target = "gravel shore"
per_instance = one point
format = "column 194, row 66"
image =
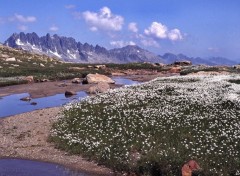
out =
column 25, row 136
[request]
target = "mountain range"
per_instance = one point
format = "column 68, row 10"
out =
column 68, row 49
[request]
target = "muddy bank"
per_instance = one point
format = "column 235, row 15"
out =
column 25, row 136
column 44, row 89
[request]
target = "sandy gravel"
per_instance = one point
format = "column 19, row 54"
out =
column 25, row 136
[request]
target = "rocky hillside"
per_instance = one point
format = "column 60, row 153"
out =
column 11, row 57
column 68, row 49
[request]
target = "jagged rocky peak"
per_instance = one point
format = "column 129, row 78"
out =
column 68, row 49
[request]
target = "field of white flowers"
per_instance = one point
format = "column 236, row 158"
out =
column 165, row 122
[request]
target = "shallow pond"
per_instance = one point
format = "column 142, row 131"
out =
column 19, row 167
column 12, row 105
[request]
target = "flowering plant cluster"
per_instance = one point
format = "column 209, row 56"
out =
column 164, row 122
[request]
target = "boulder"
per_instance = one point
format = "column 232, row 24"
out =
column 99, row 88
column 70, row 93
column 26, row 99
column 44, row 80
column 33, row 103
column 186, row 171
column 11, row 59
column 76, row 80
column 194, row 166
column 42, row 65
column 96, row 78
column 4, row 56
column 100, row 66
column 191, row 167
column 29, row 79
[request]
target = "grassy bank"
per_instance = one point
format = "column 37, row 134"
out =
column 154, row 128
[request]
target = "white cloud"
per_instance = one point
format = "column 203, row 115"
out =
column 121, row 43
column 160, row 31
column 24, row 19
column 70, row 6
column 175, row 34
column 53, row 28
column 103, row 20
column 22, row 27
column 133, row 27
column 157, row 30
column 93, row 29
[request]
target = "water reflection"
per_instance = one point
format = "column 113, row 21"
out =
column 12, row 105
column 19, row 167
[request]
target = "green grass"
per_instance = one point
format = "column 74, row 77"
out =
column 11, row 81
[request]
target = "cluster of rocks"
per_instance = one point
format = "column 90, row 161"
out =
column 100, row 83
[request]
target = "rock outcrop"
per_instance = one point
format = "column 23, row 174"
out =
column 97, row 78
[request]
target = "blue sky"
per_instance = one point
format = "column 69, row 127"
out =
column 194, row 27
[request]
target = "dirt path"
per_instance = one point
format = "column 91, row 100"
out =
column 25, row 136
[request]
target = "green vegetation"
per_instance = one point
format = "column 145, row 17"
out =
column 11, row 81
column 138, row 66
column 44, row 67
column 38, row 66
column 156, row 127
column 195, row 69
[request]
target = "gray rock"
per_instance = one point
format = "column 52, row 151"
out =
column 99, row 88
column 70, row 93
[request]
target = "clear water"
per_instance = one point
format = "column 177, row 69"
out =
column 124, row 81
column 12, row 105
column 19, row 167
